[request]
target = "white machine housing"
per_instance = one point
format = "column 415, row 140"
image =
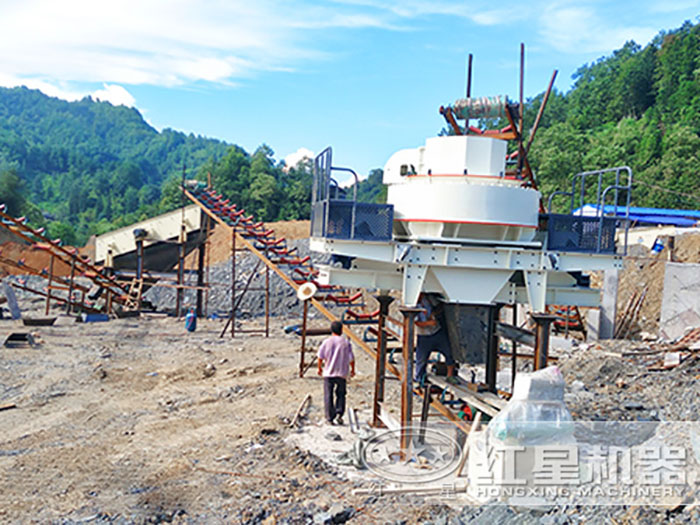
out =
column 455, row 187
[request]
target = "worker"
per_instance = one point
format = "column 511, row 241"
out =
column 431, row 337
column 335, row 362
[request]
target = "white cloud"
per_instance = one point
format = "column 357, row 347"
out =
column 672, row 7
column 114, row 94
column 161, row 42
column 294, row 158
column 580, row 28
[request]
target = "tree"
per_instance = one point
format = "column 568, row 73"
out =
column 11, row 191
column 63, row 231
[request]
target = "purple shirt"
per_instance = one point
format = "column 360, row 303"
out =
column 336, row 352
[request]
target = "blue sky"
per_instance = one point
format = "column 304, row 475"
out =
column 364, row 76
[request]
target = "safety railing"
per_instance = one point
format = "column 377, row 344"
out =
column 335, row 217
column 591, row 227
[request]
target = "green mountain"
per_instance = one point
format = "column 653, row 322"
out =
column 88, row 166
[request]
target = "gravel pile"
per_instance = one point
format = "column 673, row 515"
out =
column 613, row 381
column 283, row 300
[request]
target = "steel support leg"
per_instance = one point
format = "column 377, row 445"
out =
column 267, row 300
column 542, row 324
column 139, row 272
column 492, row 349
column 180, row 273
column 233, row 283
column 380, row 364
column 514, row 349
column 425, row 410
column 48, row 290
column 409, row 324
column 303, row 338
column 70, row 284
column 200, row 267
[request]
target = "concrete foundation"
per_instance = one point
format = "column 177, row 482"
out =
column 680, row 307
column 608, row 305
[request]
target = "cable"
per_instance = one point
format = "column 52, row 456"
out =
column 661, row 188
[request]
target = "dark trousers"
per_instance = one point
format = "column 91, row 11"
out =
column 438, row 342
column 334, row 396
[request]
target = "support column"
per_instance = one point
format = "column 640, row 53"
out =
column 139, row 259
column 380, row 365
column 200, row 263
column 542, row 324
column 139, row 273
column 492, row 348
column 608, row 305
column 303, row 338
column 514, row 349
column 233, row 283
column 109, row 263
column 267, row 300
column 180, row 272
column 409, row 324
column 69, row 305
column 48, row 290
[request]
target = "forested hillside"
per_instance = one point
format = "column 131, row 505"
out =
column 638, row 107
column 88, row 166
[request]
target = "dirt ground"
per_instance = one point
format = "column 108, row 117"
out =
column 139, row 421
column 31, row 257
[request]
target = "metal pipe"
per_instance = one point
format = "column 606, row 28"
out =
column 70, row 285
column 492, row 349
column 540, row 112
column 542, row 324
column 469, row 76
column 180, row 272
column 201, row 255
column 514, row 346
column 267, row 301
column 521, row 150
column 233, row 282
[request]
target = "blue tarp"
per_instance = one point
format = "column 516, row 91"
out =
column 648, row 215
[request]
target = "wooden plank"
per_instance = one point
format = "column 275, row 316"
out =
column 388, row 419
column 7, row 406
column 462, row 392
column 493, row 399
column 465, row 453
column 299, row 410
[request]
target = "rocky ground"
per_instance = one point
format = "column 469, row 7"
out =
column 137, row 421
